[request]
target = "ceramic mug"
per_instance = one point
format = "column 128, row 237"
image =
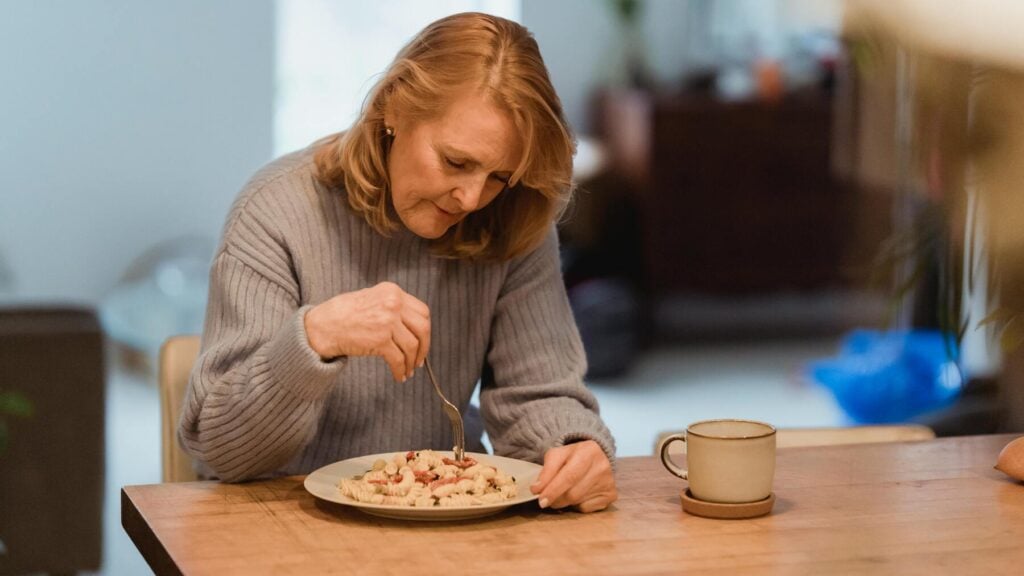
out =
column 728, row 461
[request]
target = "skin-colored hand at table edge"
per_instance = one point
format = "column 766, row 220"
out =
column 577, row 475
column 383, row 320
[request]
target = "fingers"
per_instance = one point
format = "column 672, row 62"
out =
column 383, row 320
column 596, row 489
column 572, row 485
column 554, row 459
column 416, row 319
column 598, row 503
column 395, row 359
column 412, row 333
column 577, row 475
column 409, row 341
column 408, row 345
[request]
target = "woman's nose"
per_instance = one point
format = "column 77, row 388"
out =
column 469, row 192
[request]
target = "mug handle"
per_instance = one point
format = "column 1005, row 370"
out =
column 666, row 461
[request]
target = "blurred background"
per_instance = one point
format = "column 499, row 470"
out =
column 773, row 220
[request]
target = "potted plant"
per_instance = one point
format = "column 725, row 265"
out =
column 11, row 404
column 959, row 135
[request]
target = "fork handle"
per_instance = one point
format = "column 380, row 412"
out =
column 460, row 436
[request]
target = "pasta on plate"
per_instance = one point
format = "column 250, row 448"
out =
column 425, row 479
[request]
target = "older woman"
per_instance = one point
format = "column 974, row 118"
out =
column 427, row 228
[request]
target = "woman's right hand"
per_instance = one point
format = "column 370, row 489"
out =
column 380, row 321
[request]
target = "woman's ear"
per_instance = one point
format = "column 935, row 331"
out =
column 390, row 124
column 390, row 117
column 387, row 115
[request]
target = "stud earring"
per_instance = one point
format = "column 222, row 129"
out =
column 389, row 131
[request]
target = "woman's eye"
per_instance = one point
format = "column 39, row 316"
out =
column 503, row 179
column 454, row 164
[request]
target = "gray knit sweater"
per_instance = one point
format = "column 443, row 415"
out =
column 261, row 402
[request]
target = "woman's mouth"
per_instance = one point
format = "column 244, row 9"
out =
column 443, row 212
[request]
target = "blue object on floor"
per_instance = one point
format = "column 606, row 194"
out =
column 885, row 377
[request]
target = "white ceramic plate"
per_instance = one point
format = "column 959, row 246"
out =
column 323, row 483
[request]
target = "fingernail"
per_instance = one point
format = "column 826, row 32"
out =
column 410, row 375
column 543, row 502
column 403, row 380
column 420, row 365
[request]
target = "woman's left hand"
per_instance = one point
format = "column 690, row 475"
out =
column 578, row 475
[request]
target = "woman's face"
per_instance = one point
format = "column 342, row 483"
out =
column 445, row 168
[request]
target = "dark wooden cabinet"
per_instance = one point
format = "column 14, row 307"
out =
column 52, row 469
column 734, row 197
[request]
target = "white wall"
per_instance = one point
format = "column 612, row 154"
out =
column 126, row 123
column 575, row 37
column 122, row 124
column 331, row 52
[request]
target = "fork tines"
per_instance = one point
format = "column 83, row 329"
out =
column 453, row 415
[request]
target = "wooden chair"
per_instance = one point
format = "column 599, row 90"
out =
column 177, row 356
column 797, row 437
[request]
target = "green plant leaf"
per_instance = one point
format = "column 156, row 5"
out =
column 15, row 404
column 1011, row 336
column 997, row 319
column 626, row 10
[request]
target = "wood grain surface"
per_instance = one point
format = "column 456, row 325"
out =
column 933, row 507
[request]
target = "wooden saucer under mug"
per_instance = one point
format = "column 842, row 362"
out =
column 726, row 511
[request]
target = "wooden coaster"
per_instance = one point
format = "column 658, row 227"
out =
column 726, row 511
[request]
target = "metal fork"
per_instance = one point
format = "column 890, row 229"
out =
column 453, row 414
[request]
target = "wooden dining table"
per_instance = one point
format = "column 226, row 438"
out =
column 932, row 507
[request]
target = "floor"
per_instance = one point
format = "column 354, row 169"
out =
column 133, row 457
column 667, row 388
column 671, row 387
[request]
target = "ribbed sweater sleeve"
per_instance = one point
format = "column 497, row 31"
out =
column 532, row 396
column 258, row 388
column 261, row 402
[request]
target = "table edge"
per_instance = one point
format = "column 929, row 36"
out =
column 141, row 533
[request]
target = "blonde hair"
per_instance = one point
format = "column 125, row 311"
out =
column 483, row 52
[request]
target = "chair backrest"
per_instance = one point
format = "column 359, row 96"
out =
column 797, row 437
column 177, row 357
